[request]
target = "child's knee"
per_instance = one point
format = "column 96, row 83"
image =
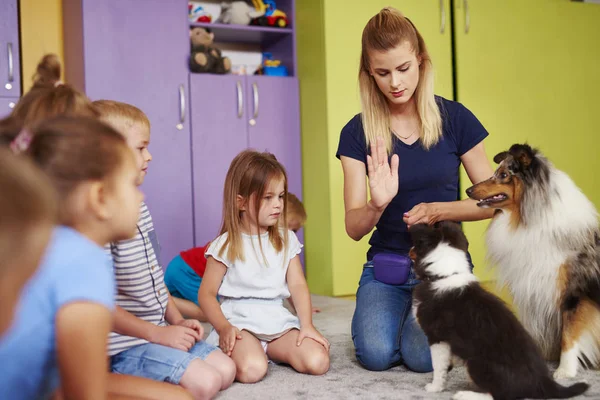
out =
column 318, row 362
column 228, row 370
column 251, row 370
column 202, row 381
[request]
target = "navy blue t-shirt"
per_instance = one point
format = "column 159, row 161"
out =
column 425, row 176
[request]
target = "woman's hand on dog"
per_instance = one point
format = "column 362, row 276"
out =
column 423, row 213
column 383, row 177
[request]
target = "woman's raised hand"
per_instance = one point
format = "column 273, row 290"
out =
column 383, row 177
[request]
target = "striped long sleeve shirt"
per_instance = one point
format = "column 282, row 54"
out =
column 140, row 282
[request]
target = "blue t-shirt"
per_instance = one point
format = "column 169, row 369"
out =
column 73, row 269
column 425, row 176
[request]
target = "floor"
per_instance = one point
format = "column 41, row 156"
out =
column 346, row 379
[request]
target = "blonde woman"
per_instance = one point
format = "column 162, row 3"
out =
column 428, row 137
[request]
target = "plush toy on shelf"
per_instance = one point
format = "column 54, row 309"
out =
column 204, row 57
column 237, row 13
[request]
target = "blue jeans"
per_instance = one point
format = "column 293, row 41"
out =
column 384, row 329
column 157, row 362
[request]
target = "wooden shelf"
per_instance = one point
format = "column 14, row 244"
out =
column 245, row 33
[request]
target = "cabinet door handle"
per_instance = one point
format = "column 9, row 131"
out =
column 255, row 95
column 240, row 99
column 467, row 16
column 442, row 16
column 11, row 69
column 181, row 107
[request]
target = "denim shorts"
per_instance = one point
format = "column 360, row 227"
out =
column 158, row 362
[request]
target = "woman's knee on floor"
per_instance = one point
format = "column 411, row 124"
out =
column 415, row 351
column 377, row 355
column 201, row 380
column 251, row 369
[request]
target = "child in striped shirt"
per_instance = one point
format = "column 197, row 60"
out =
column 151, row 338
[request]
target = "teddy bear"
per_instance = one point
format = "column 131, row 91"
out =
column 238, row 13
column 204, row 57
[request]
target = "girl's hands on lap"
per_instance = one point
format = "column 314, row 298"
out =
column 311, row 332
column 227, row 338
column 383, row 177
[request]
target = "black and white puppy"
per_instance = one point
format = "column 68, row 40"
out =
column 463, row 320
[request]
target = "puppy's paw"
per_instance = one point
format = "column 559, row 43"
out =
column 565, row 373
column 466, row 395
column 434, row 387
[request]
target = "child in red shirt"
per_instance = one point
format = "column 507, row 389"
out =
column 184, row 273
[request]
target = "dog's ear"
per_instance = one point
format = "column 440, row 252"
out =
column 498, row 158
column 523, row 154
column 424, row 235
column 453, row 233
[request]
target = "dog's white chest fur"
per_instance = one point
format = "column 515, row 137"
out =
column 529, row 257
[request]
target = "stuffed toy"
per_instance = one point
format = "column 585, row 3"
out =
column 205, row 58
column 237, row 12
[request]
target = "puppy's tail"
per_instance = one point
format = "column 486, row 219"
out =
column 554, row 390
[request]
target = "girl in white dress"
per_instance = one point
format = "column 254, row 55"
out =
column 253, row 266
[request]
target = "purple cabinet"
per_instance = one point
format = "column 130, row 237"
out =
column 219, row 133
column 10, row 64
column 273, row 105
column 136, row 51
column 6, row 105
column 229, row 114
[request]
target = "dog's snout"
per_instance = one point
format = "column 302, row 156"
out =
column 469, row 191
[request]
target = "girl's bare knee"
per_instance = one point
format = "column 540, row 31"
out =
column 317, row 362
column 252, row 370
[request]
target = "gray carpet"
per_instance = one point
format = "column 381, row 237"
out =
column 347, row 380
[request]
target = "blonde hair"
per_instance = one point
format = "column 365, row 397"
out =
column 121, row 116
column 47, row 98
column 249, row 175
column 295, row 208
column 385, row 31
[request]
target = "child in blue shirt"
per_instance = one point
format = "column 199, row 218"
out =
column 58, row 338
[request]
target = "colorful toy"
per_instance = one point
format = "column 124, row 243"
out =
column 197, row 13
column 205, row 58
column 270, row 15
column 271, row 67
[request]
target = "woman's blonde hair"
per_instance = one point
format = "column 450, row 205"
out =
column 249, row 175
column 385, row 31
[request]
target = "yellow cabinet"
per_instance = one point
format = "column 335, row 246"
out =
column 530, row 71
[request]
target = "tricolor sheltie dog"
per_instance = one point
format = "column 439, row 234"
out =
column 544, row 241
column 462, row 320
